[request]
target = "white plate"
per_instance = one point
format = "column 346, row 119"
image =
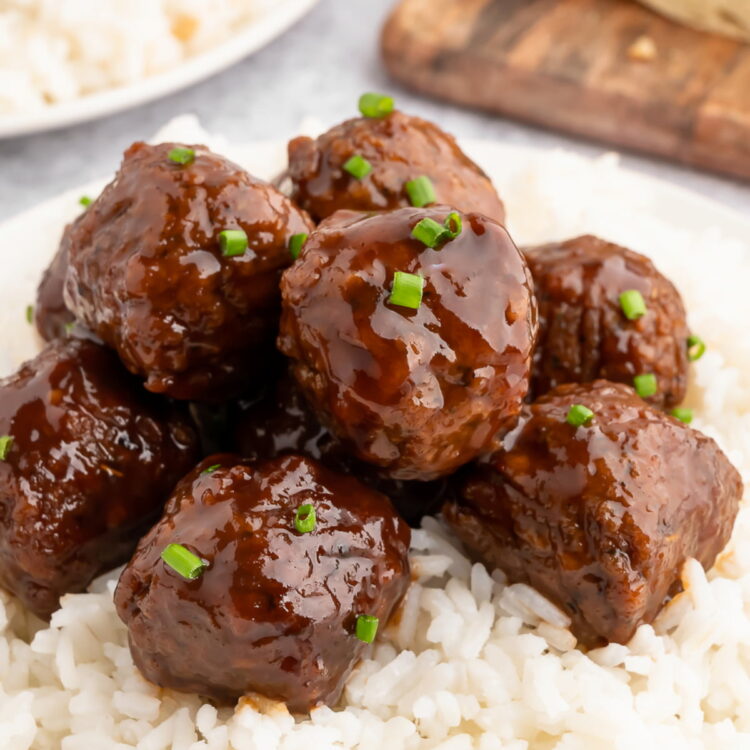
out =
column 269, row 25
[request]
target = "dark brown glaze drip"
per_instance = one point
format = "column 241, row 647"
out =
column 51, row 316
column 415, row 392
column 583, row 333
column 147, row 274
column 599, row 518
column 283, row 422
column 399, row 148
column 275, row 611
column 92, row 461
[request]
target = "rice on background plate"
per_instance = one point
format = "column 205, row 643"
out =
column 470, row 663
column 54, row 51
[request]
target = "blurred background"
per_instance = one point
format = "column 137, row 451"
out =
column 504, row 55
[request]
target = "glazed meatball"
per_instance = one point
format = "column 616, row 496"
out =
column 149, row 276
column 599, row 517
column 399, row 148
column 51, row 316
column 283, row 422
column 88, row 459
column 584, row 333
column 275, row 610
column 417, row 392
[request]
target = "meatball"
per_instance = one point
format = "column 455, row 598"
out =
column 275, row 611
column 88, row 459
column 584, row 333
column 283, row 422
column 418, row 392
column 51, row 316
column 149, row 276
column 399, row 148
column 599, row 517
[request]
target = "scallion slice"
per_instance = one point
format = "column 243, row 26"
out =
column 696, row 347
column 296, row 242
column 376, row 105
column 421, row 191
column 29, row 313
column 233, row 242
column 305, row 519
column 684, row 415
column 358, row 167
column 367, row 628
column 429, row 232
column 211, row 469
column 407, row 290
column 454, row 224
column 182, row 156
column 579, row 415
column 646, row 384
column 183, row 561
column 6, row 441
column 85, row 201
column 633, row 305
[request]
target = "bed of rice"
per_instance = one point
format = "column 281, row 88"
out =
column 53, row 51
column 471, row 663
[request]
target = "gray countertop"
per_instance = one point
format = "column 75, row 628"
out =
column 318, row 68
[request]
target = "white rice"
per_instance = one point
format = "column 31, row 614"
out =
column 54, row 51
column 471, row 663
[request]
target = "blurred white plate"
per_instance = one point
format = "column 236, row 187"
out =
column 269, row 25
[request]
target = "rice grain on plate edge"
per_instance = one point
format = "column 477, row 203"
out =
column 470, row 663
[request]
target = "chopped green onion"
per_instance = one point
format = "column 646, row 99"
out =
column 69, row 327
column 407, row 290
column 295, row 244
column 233, row 242
column 5, row 443
column 182, row 155
column 305, row 518
column 367, row 628
column 429, row 232
column 684, row 415
column 358, row 167
column 421, row 191
column 646, row 385
column 454, row 224
column 211, row 469
column 579, row 415
column 375, row 105
column 85, row 201
column 696, row 347
column 633, row 305
column 29, row 313
column 183, row 561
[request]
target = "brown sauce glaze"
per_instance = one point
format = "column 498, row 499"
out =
column 93, row 458
column 415, row 392
column 599, row 518
column 147, row 274
column 51, row 316
column 275, row 611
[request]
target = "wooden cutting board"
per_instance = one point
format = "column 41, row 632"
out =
column 569, row 65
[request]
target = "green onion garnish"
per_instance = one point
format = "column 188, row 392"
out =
column 358, row 167
column 211, row 469
column 407, row 290
column 305, row 518
column 69, row 327
column 367, row 628
column 421, row 191
column 454, row 224
column 183, row 561
column 633, row 305
column 85, row 201
column 5, row 442
column 375, row 105
column 233, row 242
column 684, row 415
column 579, row 415
column 295, row 244
column 696, row 347
column 430, row 233
column 646, row 385
column 182, row 155
column 29, row 313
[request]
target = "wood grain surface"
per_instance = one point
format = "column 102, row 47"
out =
column 568, row 65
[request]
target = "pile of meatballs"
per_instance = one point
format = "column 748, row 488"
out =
column 250, row 392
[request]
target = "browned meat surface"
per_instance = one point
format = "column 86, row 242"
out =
column 92, row 459
column 601, row 517
column 148, row 276
column 283, row 422
column 417, row 392
column 583, row 332
column 275, row 610
column 51, row 317
column 399, row 148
